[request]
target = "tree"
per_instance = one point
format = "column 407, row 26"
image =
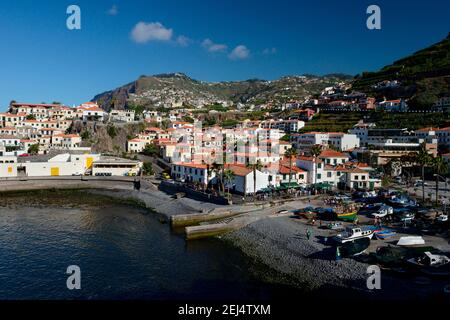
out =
column 85, row 135
column 188, row 119
column 148, row 169
column 217, row 168
column 228, row 176
column 254, row 166
column 31, row 117
column 423, row 159
column 386, row 181
column 440, row 167
column 316, row 150
column 33, row 149
column 112, row 131
column 290, row 153
column 151, row 150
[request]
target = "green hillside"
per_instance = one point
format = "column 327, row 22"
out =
column 425, row 75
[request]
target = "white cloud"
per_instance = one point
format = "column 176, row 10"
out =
column 113, row 11
column 154, row 31
column 213, row 47
column 183, row 41
column 240, row 52
column 269, row 51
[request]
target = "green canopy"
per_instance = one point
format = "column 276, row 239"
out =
column 290, row 185
column 322, row 185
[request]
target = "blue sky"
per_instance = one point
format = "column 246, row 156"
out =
column 41, row 60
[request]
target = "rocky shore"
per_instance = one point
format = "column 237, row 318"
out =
column 282, row 245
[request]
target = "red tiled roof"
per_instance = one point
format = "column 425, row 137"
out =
column 332, row 154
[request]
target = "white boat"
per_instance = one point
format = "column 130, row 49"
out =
column 352, row 234
column 430, row 260
column 442, row 218
column 410, row 241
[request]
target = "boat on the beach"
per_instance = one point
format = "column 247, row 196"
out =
column 411, row 241
column 402, row 201
column 385, row 233
column 346, row 212
column 335, row 226
column 430, row 260
column 352, row 234
column 354, row 248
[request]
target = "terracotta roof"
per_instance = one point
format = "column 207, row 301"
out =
column 191, row 165
column 332, row 154
column 239, row 170
column 427, row 129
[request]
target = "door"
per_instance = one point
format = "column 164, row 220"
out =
column 89, row 161
column 54, row 172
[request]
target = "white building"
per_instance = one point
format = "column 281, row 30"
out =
column 243, row 181
column 122, row 115
column 339, row 140
column 192, row 173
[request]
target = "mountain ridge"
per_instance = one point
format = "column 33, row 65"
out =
column 147, row 90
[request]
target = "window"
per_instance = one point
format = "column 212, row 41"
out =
column 363, row 177
column 329, row 174
column 302, row 176
column 356, row 177
column 319, row 176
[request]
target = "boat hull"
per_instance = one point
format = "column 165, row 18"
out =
column 350, row 216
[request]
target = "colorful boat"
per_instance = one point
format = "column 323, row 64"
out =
column 384, row 233
column 346, row 212
column 347, row 216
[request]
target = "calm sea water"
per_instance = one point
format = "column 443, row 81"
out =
column 123, row 253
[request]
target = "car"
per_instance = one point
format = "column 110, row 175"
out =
column 166, row 176
column 24, row 155
column 77, row 174
column 383, row 212
column 283, row 212
column 419, row 183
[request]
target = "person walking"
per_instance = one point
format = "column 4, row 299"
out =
column 308, row 234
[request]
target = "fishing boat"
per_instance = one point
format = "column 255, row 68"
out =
column 402, row 201
column 352, row 234
column 354, row 248
column 411, row 241
column 385, row 233
column 346, row 212
column 335, row 226
column 430, row 260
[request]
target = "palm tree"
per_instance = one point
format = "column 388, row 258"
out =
column 228, row 176
column 423, row 159
column 208, row 174
column 218, row 171
column 255, row 166
column 290, row 153
column 316, row 150
column 440, row 167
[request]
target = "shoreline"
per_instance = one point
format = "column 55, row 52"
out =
column 278, row 243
